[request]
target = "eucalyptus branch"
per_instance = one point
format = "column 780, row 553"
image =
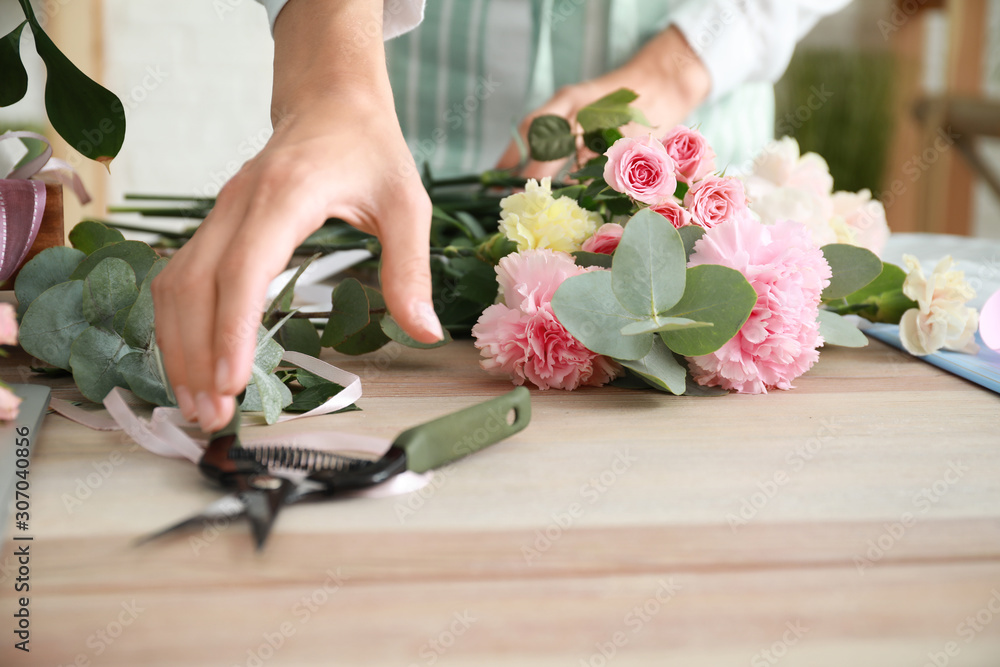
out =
column 322, row 315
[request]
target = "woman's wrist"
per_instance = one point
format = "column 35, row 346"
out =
column 670, row 61
column 329, row 53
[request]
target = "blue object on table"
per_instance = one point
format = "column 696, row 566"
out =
column 982, row 368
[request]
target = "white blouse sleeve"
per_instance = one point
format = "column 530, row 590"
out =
column 748, row 41
column 398, row 16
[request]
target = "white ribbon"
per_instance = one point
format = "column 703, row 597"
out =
column 165, row 435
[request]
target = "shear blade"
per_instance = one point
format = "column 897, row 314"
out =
column 229, row 507
column 262, row 507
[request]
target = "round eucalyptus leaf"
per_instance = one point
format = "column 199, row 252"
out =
column 648, row 270
column 52, row 322
column 551, row 138
column 91, row 235
column 853, row 268
column 715, row 294
column 46, row 269
column 142, row 374
column 139, row 256
column 94, row 358
column 108, row 289
column 660, row 369
column 587, row 307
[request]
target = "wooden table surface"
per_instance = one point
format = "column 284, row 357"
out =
column 853, row 521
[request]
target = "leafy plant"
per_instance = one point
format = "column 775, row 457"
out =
column 88, row 116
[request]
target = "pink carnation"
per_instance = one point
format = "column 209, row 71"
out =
column 642, row 169
column 695, row 159
column 778, row 343
column 714, row 200
column 605, row 240
column 9, row 402
column 523, row 338
column 8, row 324
column 674, row 212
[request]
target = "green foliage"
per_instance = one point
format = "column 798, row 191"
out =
column 650, row 306
column 690, row 234
column 109, row 288
column 853, row 268
column 88, row 116
column 52, row 322
column 882, row 300
column 14, row 84
column 610, row 112
column 47, row 269
column 349, row 313
column 91, row 235
column 139, row 256
column 391, row 329
column 551, row 138
column 838, row 331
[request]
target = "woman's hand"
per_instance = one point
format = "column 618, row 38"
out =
column 666, row 73
column 337, row 152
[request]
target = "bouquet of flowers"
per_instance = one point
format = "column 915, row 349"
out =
column 653, row 265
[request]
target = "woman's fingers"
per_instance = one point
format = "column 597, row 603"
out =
column 406, row 275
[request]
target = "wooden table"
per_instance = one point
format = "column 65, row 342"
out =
column 854, row 521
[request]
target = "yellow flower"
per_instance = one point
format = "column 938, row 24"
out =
column 534, row 219
column 941, row 319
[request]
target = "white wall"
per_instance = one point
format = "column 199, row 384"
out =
column 195, row 77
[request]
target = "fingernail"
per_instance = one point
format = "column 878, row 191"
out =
column 222, row 376
column 427, row 316
column 185, row 403
column 206, row 412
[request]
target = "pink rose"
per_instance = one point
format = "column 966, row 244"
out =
column 674, row 212
column 642, row 169
column 695, row 159
column 8, row 324
column 713, row 200
column 8, row 404
column 605, row 240
column 523, row 338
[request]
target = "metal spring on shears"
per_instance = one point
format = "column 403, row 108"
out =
column 296, row 458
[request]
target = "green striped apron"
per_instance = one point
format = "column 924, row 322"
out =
column 474, row 68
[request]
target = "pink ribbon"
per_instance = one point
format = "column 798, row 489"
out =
column 22, row 201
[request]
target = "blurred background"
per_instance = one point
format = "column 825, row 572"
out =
column 195, row 76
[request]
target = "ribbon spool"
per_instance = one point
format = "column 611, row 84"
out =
column 25, row 192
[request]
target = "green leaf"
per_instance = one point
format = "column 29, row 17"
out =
column 551, row 138
column 715, row 294
column 392, row 329
column 14, row 84
column 660, row 369
column 611, row 111
column 52, row 322
column 592, row 259
column 370, row 337
column 599, row 141
column 852, row 267
column 317, row 391
column 138, row 329
column 648, row 269
column 139, row 255
column 94, row 358
column 272, row 394
column 349, row 313
column 587, row 307
column 142, row 374
column 46, row 269
column 108, row 289
column 593, row 169
column 690, row 234
column 91, row 235
column 838, row 331
column 88, row 116
column 299, row 335
column 658, row 324
column 890, row 279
